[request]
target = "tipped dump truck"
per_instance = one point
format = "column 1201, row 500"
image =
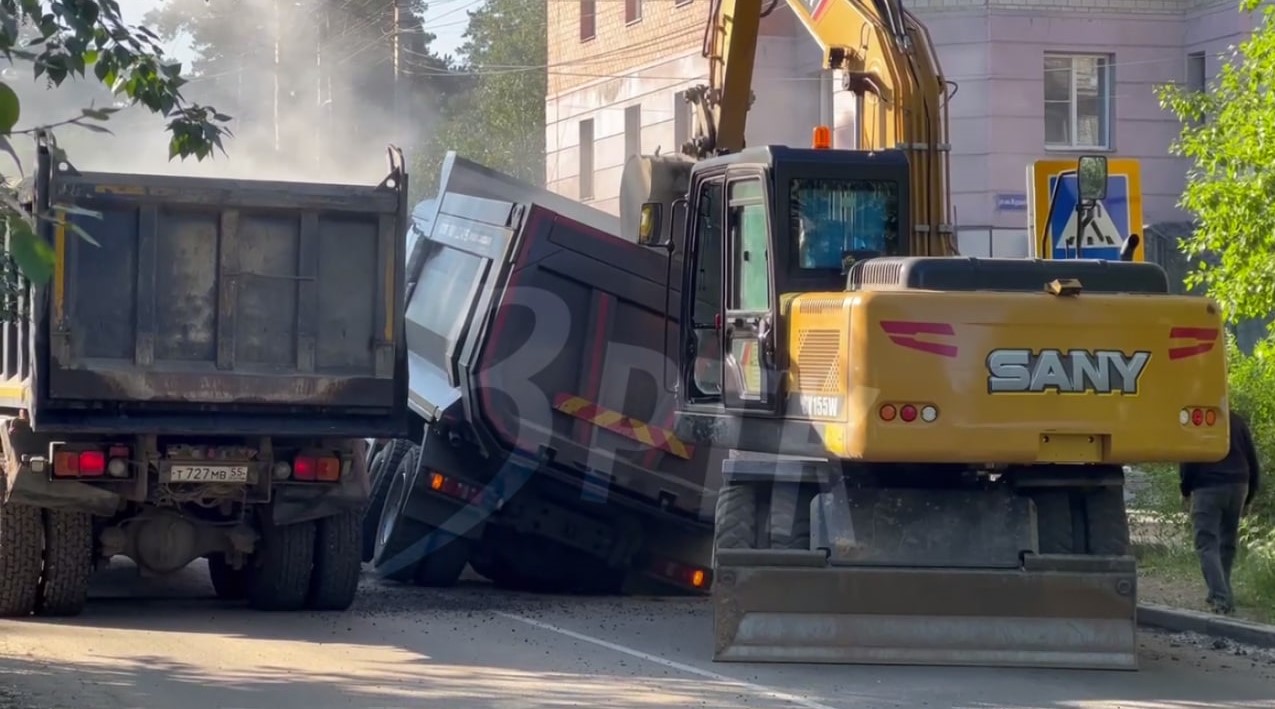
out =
column 542, row 451
column 200, row 382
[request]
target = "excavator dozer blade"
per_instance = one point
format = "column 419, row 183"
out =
column 1054, row 612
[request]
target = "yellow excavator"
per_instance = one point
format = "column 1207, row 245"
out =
column 926, row 450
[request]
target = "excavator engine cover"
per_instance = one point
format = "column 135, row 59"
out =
column 916, row 576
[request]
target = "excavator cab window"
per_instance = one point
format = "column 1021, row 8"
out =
column 835, row 221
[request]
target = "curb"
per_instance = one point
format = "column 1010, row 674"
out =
column 1180, row 620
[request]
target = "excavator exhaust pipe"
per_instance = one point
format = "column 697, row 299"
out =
column 932, row 577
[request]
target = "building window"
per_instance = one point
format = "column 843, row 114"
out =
column 586, row 159
column 1195, row 72
column 681, row 121
column 632, row 130
column 588, row 19
column 682, row 3
column 632, row 11
column 1077, row 101
column 1196, row 76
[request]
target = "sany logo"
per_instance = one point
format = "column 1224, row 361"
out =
column 1073, row 371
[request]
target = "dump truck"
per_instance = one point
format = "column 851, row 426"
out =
column 200, row 380
column 539, row 452
column 935, row 444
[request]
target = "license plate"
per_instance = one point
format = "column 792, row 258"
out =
column 208, row 474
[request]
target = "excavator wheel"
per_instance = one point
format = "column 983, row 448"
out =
column 1107, row 522
column 788, row 516
column 1055, row 527
column 735, row 517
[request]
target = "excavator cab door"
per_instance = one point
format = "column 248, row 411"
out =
column 750, row 377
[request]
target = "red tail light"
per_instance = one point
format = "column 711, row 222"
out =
column 92, row 463
column 304, row 467
column 315, row 468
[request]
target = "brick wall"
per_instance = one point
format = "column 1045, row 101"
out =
column 666, row 29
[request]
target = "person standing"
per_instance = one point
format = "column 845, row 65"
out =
column 1218, row 495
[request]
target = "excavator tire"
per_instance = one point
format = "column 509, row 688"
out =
column 789, row 517
column 735, row 517
column 1054, row 525
column 1107, row 522
column 68, row 563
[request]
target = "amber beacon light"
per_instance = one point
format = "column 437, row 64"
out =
column 822, row 139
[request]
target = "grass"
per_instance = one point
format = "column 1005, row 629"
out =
column 1171, row 576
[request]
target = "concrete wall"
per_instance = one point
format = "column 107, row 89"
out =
column 793, row 94
column 993, row 50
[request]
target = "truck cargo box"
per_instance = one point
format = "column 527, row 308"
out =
column 544, row 331
column 272, row 304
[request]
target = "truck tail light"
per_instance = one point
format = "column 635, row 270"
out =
column 682, row 574
column 316, row 468
column 454, row 488
column 117, row 461
column 91, row 463
column 329, row 469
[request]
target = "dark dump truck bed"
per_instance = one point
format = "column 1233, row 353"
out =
column 542, row 331
column 269, row 305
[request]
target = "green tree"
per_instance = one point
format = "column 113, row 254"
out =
column 63, row 40
column 499, row 120
column 1228, row 132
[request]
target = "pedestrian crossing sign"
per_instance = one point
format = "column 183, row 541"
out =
column 1114, row 218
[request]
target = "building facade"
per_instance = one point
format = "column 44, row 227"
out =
column 1034, row 79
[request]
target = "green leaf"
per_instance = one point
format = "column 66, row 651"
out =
column 10, row 109
column 6, row 147
column 34, row 256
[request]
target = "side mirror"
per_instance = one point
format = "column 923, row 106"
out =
column 1091, row 177
column 651, row 230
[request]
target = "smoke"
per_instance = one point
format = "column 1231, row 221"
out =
column 314, row 102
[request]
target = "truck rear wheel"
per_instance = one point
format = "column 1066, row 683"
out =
column 280, row 577
column 335, row 579
column 68, row 563
column 21, row 545
column 381, row 471
column 229, row 583
column 443, row 566
column 396, row 531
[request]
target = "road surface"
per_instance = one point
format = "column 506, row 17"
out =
column 473, row 646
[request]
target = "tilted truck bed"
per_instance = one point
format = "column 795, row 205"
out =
column 219, row 305
column 536, row 324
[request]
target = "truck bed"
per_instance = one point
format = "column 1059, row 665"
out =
column 246, row 298
column 544, row 331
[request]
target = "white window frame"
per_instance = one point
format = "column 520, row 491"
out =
column 1105, row 120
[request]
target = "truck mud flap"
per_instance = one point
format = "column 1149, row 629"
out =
column 1054, row 611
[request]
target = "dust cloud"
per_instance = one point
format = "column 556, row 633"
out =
column 314, row 102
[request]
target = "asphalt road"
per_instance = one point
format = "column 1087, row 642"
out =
column 171, row 645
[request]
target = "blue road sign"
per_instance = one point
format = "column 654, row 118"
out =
column 1109, row 229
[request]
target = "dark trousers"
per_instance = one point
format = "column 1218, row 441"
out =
column 1215, row 514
